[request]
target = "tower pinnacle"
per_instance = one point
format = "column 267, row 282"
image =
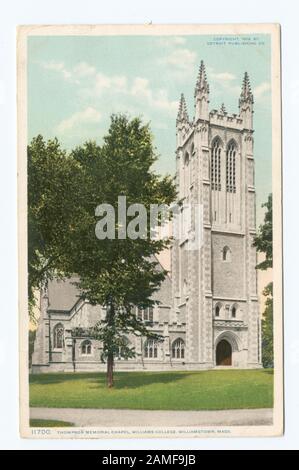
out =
column 246, row 102
column 223, row 109
column 246, row 93
column 182, row 112
column 201, row 94
column 202, row 82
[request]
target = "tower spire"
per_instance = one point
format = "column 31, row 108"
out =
column 182, row 112
column 202, row 82
column 246, row 93
column 246, row 102
column 182, row 120
column 201, row 94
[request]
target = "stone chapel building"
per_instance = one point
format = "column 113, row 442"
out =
column 208, row 308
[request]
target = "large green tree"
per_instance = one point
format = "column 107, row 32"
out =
column 54, row 178
column 263, row 243
column 121, row 274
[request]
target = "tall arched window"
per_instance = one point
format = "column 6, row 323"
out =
column 178, row 349
column 58, row 336
column 231, row 167
column 151, row 349
column 226, row 254
column 217, row 311
column 86, row 347
column 186, row 159
column 216, row 165
column 187, row 171
column 234, row 311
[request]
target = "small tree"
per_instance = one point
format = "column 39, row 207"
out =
column 263, row 244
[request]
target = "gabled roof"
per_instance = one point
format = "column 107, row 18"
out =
column 63, row 294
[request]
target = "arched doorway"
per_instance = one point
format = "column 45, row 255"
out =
column 223, row 353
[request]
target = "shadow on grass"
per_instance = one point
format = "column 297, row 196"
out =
column 127, row 380
column 136, row 380
column 268, row 371
column 121, row 379
column 60, row 377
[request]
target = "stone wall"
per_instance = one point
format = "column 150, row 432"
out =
column 228, row 276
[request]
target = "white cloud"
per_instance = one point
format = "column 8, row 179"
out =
column 58, row 67
column 223, row 82
column 138, row 91
column 171, row 41
column 262, row 89
column 227, row 81
column 88, row 115
column 82, row 69
column 140, row 88
column 96, row 89
column 95, row 84
column 181, row 58
column 222, row 76
column 104, row 83
column 158, row 100
column 175, row 60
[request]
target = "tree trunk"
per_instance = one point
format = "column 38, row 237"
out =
column 110, row 370
column 110, row 356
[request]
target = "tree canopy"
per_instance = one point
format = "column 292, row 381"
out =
column 264, row 244
column 264, row 238
column 53, row 177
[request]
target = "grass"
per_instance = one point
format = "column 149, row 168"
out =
column 49, row 423
column 204, row 390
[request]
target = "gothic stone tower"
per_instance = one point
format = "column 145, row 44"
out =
column 215, row 285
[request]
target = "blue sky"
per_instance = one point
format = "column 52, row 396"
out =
column 76, row 82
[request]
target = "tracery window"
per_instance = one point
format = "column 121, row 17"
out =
column 231, row 168
column 216, row 165
column 86, row 347
column 150, row 349
column 146, row 314
column 178, row 349
column 58, row 336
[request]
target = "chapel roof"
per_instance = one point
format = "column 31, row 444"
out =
column 63, row 294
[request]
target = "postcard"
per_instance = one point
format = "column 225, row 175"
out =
column 149, row 228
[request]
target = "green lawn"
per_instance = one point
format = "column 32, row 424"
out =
column 49, row 423
column 204, row 390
